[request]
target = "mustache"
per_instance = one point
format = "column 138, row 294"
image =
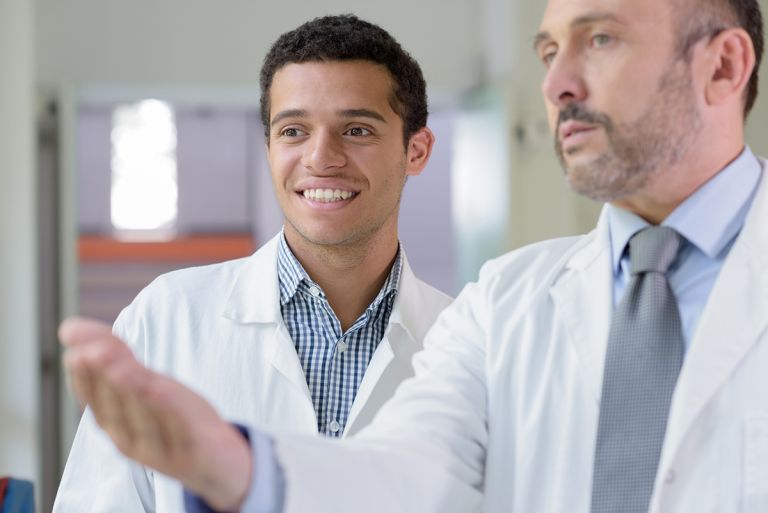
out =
column 577, row 112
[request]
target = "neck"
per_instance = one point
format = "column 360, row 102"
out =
column 351, row 275
column 671, row 186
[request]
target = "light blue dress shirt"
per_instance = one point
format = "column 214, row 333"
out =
column 709, row 220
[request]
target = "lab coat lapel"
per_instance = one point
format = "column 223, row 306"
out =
column 255, row 295
column 583, row 299
column 255, row 299
column 391, row 362
column 730, row 326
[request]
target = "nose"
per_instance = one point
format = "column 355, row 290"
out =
column 323, row 152
column 564, row 82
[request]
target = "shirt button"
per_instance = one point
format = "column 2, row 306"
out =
column 670, row 477
column 314, row 291
column 334, row 426
column 341, row 346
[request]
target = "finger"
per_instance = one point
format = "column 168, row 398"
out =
column 87, row 361
column 149, row 447
column 142, row 422
column 130, row 422
column 76, row 330
column 104, row 362
column 79, row 377
column 182, row 418
column 174, row 424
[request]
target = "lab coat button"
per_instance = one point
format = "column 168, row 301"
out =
column 670, row 477
column 334, row 426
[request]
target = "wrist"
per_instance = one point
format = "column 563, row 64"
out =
column 229, row 470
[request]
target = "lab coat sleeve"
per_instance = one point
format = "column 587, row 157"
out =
column 97, row 477
column 425, row 450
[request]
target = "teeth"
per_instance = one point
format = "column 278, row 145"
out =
column 327, row 195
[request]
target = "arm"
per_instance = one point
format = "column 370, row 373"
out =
column 425, row 450
column 424, row 453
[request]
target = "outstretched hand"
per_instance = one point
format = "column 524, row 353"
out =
column 154, row 419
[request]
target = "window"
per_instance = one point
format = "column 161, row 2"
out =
column 144, row 193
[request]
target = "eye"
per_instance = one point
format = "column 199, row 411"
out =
column 548, row 57
column 292, row 132
column 357, row 131
column 547, row 53
column 600, row 40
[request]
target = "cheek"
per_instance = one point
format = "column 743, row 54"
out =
column 552, row 115
column 282, row 163
column 624, row 88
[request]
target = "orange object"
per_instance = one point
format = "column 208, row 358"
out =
column 198, row 248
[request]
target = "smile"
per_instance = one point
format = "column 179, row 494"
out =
column 328, row 195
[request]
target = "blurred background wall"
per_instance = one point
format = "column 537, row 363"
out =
column 19, row 354
column 66, row 68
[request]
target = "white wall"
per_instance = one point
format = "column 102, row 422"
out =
column 757, row 123
column 18, row 259
column 462, row 45
column 224, row 42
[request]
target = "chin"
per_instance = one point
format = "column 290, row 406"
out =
column 326, row 236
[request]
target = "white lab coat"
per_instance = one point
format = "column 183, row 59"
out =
column 502, row 414
column 219, row 330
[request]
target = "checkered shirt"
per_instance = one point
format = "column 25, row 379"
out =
column 333, row 362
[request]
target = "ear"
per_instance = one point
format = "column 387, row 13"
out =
column 418, row 151
column 730, row 64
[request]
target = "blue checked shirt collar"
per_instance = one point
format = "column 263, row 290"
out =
column 292, row 276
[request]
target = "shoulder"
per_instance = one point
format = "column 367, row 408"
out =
column 433, row 297
column 194, row 282
column 535, row 267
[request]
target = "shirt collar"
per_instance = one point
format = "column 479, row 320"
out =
column 291, row 274
column 709, row 218
column 392, row 283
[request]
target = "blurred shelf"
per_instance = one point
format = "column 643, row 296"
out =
column 198, row 249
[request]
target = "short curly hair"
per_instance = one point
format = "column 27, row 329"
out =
column 344, row 38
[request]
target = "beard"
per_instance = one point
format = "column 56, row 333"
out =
column 639, row 150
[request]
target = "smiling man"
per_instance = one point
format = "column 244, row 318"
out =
column 621, row 371
column 314, row 332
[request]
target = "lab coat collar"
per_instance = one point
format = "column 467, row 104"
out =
column 406, row 308
column 587, row 269
column 255, row 296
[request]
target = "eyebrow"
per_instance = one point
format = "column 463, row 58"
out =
column 346, row 113
column 291, row 113
column 362, row 113
column 587, row 19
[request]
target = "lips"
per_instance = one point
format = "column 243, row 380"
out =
column 570, row 129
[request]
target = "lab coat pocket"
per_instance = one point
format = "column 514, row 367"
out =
column 756, row 465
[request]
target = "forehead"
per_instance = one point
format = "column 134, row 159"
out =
column 331, row 85
column 652, row 18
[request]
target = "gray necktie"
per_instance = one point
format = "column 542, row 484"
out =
column 642, row 362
